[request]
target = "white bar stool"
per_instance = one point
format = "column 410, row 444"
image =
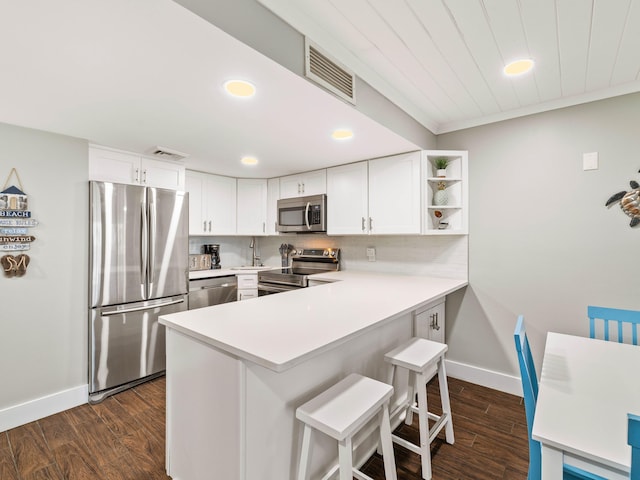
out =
column 420, row 356
column 340, row 412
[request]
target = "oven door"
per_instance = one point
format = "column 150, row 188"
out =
column 271, row 288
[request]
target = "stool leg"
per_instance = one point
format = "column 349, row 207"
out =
column 411, row 396
column 391, row 372
column 425, row 447
column 345, row 460
column 444, row 398
column 305, row 453
column 387, row 444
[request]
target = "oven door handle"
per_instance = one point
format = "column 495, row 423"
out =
column 274, row 288
column 306, row 215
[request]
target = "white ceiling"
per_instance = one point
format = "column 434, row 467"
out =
column 442, row 60
column 137, row 74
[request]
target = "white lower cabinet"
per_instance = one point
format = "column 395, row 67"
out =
column 247, row 286
column 429, row 321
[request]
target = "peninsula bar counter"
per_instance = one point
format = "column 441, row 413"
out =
column 236, row 372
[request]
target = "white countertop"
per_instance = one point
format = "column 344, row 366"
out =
column 223, row 272
column 280, row 331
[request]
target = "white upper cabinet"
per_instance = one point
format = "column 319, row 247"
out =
column 110, row 165
column 380, row 196
column 348, row 199
column 252, row 206
column 394, row 194
column 303, row 184
column 212, row 204
column 446, row 193
column 273, row 195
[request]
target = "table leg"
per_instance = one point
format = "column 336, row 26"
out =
column 552, row 460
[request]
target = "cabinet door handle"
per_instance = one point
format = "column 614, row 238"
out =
column 434, row 321
column 264, row 227
column 302, row 187
column 370, row 224
column 209, row 225
column 144, row 176
column 137, row 175
column 363, row 224
column 299, row 187
column 204, row 226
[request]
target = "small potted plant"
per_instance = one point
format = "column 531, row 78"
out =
column 441, row 166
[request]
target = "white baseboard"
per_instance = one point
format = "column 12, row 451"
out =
column 30, row 411
column 38, row 408
column 487, row 378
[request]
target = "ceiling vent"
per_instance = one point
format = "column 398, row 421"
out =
column 167, row 154
column 328, row 73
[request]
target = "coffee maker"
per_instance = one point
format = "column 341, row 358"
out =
column 212, row 249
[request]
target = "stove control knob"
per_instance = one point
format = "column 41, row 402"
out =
column 325, row 253
column 333, row 253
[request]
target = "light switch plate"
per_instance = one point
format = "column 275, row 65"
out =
column 590, row 161
column 371, row 254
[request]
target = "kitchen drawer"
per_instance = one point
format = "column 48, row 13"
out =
column 247, row 293
column 248, row 281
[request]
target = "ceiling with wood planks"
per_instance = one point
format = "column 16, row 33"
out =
column 442, row 60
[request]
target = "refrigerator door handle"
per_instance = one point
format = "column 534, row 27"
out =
column 142, row 307
column 143, row 247
column 151, row 260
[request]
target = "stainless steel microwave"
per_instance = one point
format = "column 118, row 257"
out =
column 302, row 214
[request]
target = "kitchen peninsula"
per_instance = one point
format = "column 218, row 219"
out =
column 236, row 372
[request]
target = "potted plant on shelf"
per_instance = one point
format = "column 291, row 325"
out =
column 441, row 166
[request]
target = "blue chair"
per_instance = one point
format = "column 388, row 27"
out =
column 530, row 391
column 618, row 318
column 634, row 441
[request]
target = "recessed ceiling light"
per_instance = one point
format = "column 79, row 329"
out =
column 518, row 67
column 342, row 134
column 249, row 160
column 240, row 88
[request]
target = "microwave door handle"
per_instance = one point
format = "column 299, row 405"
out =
column 306, row 216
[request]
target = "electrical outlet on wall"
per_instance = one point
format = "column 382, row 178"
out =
column 371, row 254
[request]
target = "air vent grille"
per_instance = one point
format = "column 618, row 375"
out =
column 167, row 153
column 328, row 73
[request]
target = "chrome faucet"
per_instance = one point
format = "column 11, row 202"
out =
column 255, row 255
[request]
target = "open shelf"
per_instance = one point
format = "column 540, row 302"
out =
column 455, row 213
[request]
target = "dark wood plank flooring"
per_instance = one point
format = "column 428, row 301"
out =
column 123, row 439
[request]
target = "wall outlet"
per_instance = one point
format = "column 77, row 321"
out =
column 371, row 254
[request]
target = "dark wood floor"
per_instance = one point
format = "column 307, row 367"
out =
column 123, row 439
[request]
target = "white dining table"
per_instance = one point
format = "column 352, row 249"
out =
column 586, row 389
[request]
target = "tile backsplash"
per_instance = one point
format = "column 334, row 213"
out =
column 441, row 256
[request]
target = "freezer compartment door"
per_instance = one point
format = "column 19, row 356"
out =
column 118, row 244
column 168, row 242
column 127, row 343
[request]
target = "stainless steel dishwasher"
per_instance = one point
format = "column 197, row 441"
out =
column 205, row 292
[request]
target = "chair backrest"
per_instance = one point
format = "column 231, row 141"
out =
column 530, row 391
column 634, row 440
column 614, row 320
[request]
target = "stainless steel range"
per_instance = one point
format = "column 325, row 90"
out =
column 304, row 262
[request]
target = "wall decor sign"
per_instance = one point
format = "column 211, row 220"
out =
column 629, row 202
column 15, row 222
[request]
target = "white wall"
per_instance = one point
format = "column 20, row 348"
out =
column 541, row 241
column 43, row 319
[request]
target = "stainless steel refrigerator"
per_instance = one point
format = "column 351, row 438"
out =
column 138, row 270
